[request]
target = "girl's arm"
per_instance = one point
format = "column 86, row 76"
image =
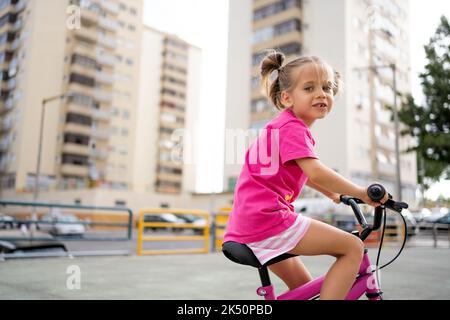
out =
column 332, row 195
column 326, row 178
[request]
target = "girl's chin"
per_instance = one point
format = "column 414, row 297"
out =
column 322, row 115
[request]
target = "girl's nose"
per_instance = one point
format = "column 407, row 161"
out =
column 321, row 93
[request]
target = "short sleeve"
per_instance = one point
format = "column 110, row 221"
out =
column 296, row 142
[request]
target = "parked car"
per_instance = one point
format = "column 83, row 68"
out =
column 421, row 214
column 436, row 215
column 442, row 223
column 445, row 219
column 165, row 218
column 6, row 222
column 197, row 221
column 61, row 225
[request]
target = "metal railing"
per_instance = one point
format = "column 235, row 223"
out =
column 218, row 228
column 128, row 225
column 205, row 237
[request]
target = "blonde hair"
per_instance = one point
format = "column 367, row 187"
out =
column 284, row 81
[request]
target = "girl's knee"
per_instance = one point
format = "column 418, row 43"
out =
column 356, row 248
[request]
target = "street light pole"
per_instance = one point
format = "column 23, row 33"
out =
column 396, row 129
column 392, row 66
column 41, row 133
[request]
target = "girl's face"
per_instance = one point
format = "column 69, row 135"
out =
column 312, row 97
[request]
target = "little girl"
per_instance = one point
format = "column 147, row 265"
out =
column 263, row 216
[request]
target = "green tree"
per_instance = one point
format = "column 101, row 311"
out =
column 430, row 123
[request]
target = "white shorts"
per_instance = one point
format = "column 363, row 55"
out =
column 281, row 243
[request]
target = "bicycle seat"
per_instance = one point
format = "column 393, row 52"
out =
column 240, row 253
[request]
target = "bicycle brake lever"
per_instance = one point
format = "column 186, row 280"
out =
column 345, row 199
column 396, row 206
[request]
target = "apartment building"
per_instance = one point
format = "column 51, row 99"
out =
column 357, row 138
column 88, row 52
column 168, row 109
column 126, row 94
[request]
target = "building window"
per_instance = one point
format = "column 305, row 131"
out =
column 120, row 203
column 76, row 138
column 122, row 6
column 74, row 159
column 82, row 79
column 85, row 61
column 275, row 8
column 78, row 119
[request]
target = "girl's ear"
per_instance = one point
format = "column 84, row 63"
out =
column 286, row 99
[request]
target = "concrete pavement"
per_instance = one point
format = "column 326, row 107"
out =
column 419, row 273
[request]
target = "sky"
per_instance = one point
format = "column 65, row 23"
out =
column 204, row 24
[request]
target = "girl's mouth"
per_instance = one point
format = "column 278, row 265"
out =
column 320, row 105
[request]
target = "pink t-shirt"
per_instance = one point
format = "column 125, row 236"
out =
column 270, row 181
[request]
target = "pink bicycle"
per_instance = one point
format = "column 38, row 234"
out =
column 365, row 282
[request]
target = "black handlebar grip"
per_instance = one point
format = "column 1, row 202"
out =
column 376, row 192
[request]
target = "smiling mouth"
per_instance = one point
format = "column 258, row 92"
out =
column 320, row 105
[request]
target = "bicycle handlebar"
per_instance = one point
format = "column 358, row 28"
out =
column 375, row 192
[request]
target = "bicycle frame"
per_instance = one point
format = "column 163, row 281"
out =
column 365, row 283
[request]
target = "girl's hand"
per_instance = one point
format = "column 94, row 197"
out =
column 336, row 197
column 364, row 197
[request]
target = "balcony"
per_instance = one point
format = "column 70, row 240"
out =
column 77, row 129
column 74, row 148
column 108, row 42
column 74, row 170
column 100, row 134
column 4, row 145
column 383, row 117
column 385, row 49
column 11, row 84
column 20, row 6
column 9, row 104
column 99, row 154
column 89, row 17
column 386, row 169
column 106, row 59
column 79, row 109
column 5, row 126
column 104, row 77
column 101, row 115
column 86, row 34
column 169, row 177
column 78, row 88
column 15, row 44
column 108, row 24
column 17, row 25
column 110, row 6
column 386, row 143
column 102, row 96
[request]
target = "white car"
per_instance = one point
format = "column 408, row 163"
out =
column 164, row 218
column 6, row 222
column 62, row 225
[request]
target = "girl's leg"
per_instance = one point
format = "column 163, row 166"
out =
column 292, row 271
column 322, row 238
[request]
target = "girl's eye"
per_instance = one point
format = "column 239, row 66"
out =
column 328, row 88
column 309, row 89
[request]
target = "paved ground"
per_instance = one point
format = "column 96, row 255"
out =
column 419, row 273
